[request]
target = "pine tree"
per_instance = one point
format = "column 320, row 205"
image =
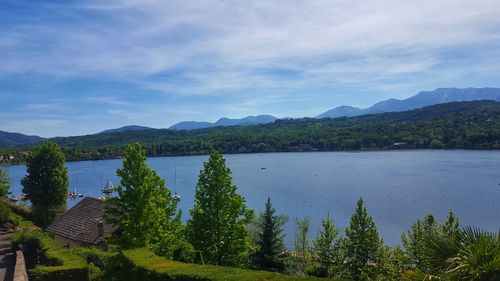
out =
column 362, row 244
column 413, row 240
column 219, row 218
column 326, row 247
column 271, row 252
column 451, row 226
column 46, row 183
column 144, row 209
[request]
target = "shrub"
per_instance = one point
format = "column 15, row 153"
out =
column 146, row 266
column 5, row 212
column 48, row 261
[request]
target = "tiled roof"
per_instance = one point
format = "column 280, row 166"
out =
column 80, row 222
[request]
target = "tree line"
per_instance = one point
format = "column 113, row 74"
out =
column 222, row 230
column 464, row 125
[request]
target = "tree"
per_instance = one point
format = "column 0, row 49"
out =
column 219, row 218
column 46, row 183
column 451, row 226
column 362, row 244
column 389, row 264
column 327, row 247
column 271, row 251
column 144, row 210
column 4, row 182
column 420, row 231
column 302, row 246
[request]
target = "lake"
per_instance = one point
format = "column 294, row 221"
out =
column 398, row 186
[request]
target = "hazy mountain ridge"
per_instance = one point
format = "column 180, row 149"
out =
column 249, row 120
column 126, row 129
column 422, row 99
column 8, row 139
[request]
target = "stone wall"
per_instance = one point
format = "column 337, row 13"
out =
column 20, row 273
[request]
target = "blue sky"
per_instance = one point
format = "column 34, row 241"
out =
column 79, row 67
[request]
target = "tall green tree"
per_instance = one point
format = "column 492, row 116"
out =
column 271, row 251
column 46, row 183
column 362, row 244
column 413, row 240
column 144, row 210
column 219, row 218
column 4, row 182
column 327, row 247
column 302, row 244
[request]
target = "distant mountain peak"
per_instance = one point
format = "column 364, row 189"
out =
column 224, row 121
column 422, row 99
column 128, row 128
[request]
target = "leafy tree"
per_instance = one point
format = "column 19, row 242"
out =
column 302, row 246
column 4, row 182
column 327, row 247
column 362, row 244
column 420, row 231
column 271, row 252
column 46, row 183
column 219, row 218
column 470, row 255
column 144, row 209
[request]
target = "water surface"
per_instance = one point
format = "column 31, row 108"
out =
column 398, row 186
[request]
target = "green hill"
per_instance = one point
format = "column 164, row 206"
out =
column 467, row 125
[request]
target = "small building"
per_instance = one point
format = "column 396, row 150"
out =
column 83, row 225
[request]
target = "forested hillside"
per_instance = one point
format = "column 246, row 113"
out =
column 468, row 125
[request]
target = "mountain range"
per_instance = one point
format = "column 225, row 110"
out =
column 422, row 99
column 249, row 120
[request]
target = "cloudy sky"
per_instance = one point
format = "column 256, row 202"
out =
column 79, row 67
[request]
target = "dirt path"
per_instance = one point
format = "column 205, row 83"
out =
column 7, row 258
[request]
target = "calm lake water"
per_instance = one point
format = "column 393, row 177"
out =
column 398, row 186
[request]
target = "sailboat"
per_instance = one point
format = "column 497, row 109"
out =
column 108, row 188
column 75, row 194
column 175, row 196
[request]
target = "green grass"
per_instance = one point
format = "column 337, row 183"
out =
column 149, row 266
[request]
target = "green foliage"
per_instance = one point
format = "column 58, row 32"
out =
column 327, row 248
column 5, row 212
column 413, row 241
column 46, row 183
column 103, row 266
column 362, row 244
column 219, row 218
column 389, row 264
column 144, row 209
column 451, row 226
column 47, row 261
column 141, row 264
column 4, row 182
column 271, row 253
column 464, row 125
column 470, row 255
column 302, row 247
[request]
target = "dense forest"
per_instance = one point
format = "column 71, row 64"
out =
column 457, row 125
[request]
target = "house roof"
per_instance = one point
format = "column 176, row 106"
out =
column 80, row 222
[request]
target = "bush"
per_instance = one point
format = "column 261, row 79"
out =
column 102, row 265
column 146, row 266
column 48, row 261
column 21, row 210
column 5, row 212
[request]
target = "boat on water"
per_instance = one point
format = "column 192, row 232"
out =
column 109, row 187
column 176, row 196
